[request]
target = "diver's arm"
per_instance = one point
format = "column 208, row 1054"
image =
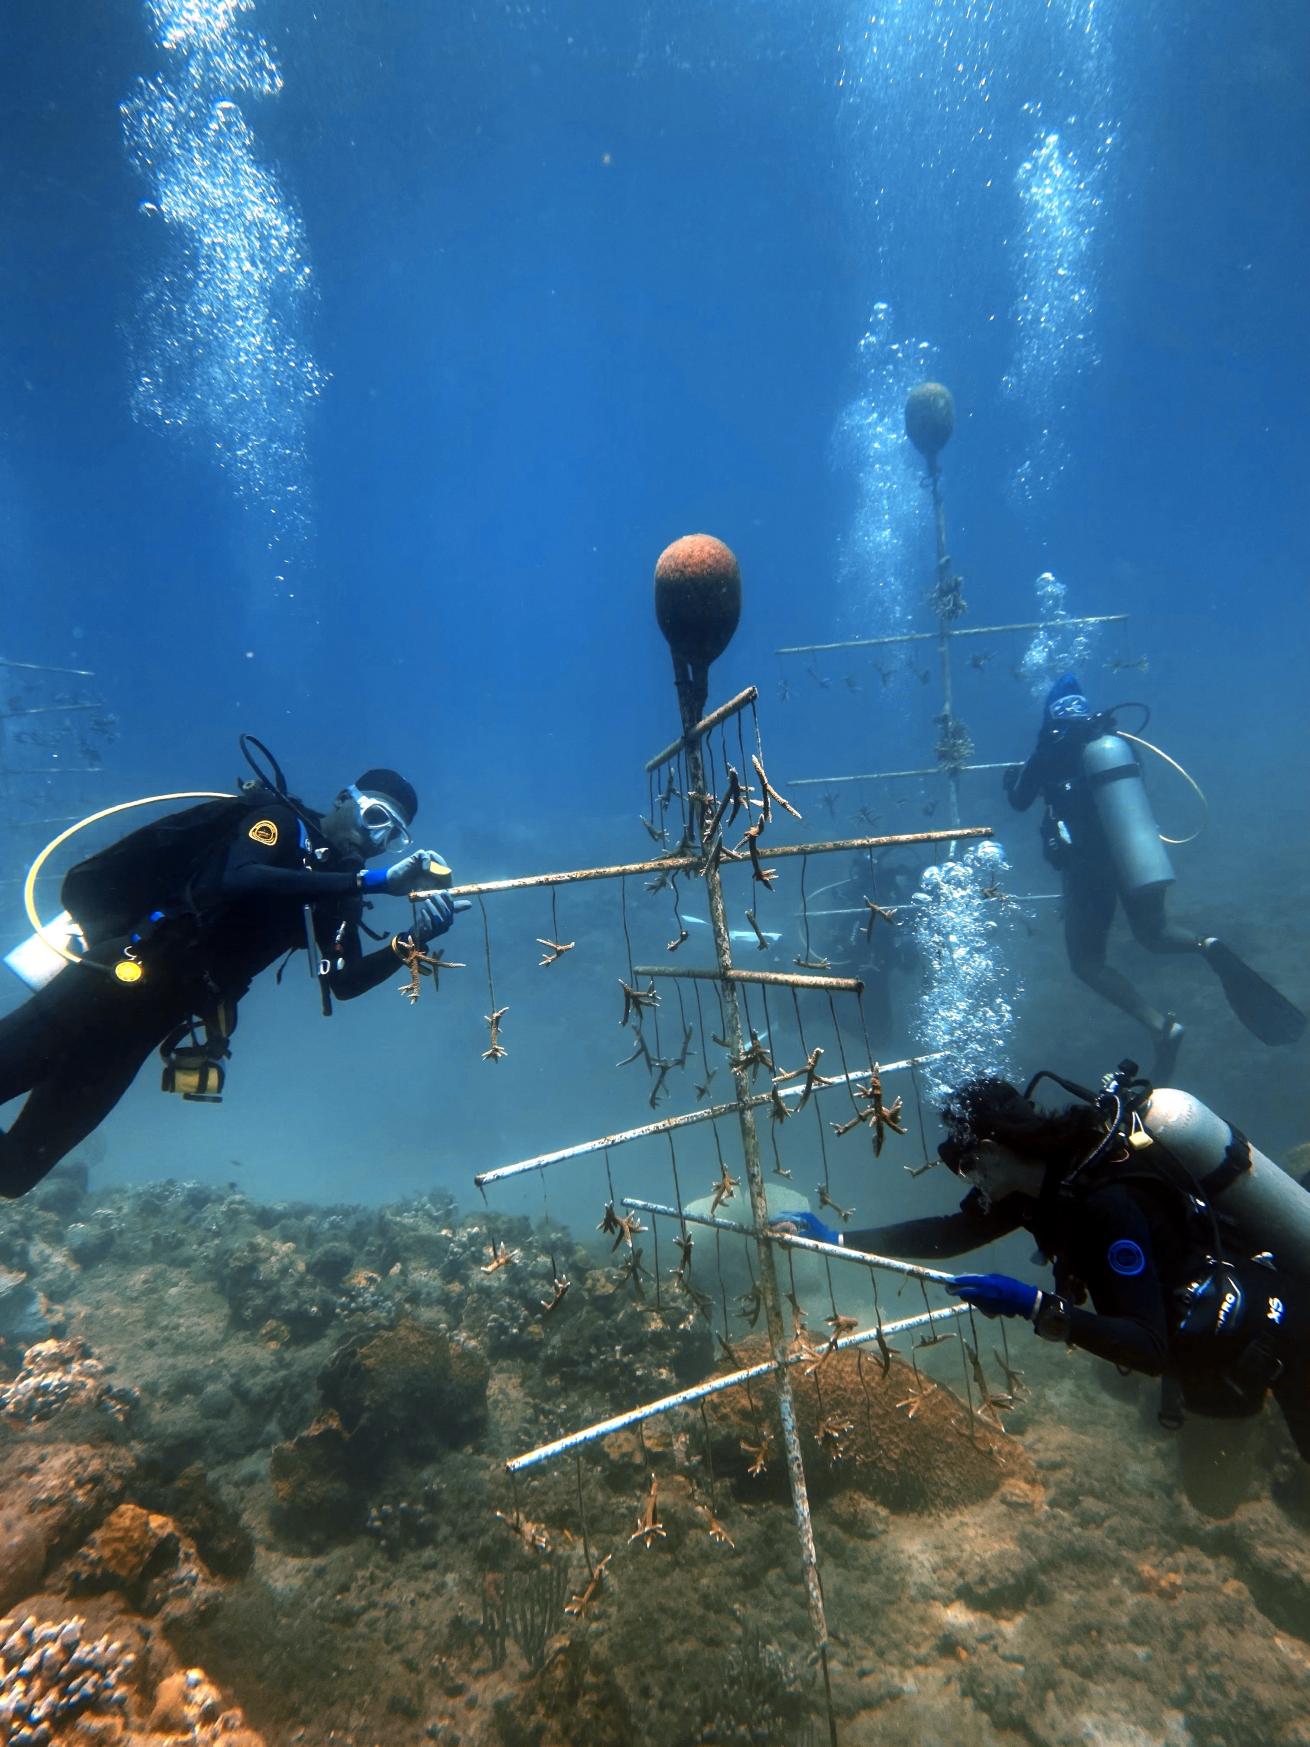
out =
column 1026, row 787
column 941, row 1235
column 356, row 971
column 247, row 878
column 267, row 859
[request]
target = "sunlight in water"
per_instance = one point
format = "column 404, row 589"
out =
column 219, row 349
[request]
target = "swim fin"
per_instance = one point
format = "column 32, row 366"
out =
column 1257, row 1003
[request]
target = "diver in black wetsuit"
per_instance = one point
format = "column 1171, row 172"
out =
column 262, row 873
column 1099, row 834
column 1175, row 1291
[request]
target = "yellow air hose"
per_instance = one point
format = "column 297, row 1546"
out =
column 1189, row 780
column 33, row 873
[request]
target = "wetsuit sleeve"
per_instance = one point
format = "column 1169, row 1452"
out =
column 1114, row 1258
column 265, row 857
column 355, row 971
column 942, row 1235
column 1035, row 775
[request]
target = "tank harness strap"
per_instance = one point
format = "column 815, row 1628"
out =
column 1234, row 1164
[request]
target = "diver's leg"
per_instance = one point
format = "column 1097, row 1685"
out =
column 1151, row 926
column 34, row 1035
column 78, row 1088
column 1088, row 911
column 1089, row 900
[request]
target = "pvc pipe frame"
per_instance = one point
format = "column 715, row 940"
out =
column 963, row 631
column 668, row 1124
column 794, row 1241
column 715, row 1386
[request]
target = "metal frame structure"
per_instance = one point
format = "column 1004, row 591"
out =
column 700, row 855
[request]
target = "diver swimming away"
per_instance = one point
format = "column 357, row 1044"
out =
column 1193, row 1247
column 1099, row 833
column 178, row 919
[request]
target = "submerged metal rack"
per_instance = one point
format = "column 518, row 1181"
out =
column 717, row 774
column 929, row 421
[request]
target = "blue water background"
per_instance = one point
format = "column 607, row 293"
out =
column 589, row 278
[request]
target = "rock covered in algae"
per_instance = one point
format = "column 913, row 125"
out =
column 907, row 1444
column 410, row 1386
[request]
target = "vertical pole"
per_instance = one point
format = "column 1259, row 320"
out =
column 764, row 1250
column 945, row 596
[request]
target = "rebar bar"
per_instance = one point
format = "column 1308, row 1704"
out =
column 696, row 733
column 716, row 1385
column 695, row 863
column 779, row 979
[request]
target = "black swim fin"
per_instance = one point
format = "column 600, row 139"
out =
column 1257, row 1003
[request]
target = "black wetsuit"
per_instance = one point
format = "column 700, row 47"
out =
column 1075, row 844
column 1128, row 1247
column 77, row 1045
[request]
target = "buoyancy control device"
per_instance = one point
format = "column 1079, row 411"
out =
column 1114, row 776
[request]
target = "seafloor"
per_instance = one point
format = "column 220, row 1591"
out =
column 252, row 1490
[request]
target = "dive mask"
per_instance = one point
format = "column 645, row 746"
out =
column 380, row 821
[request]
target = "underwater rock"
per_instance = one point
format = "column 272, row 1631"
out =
column 23, row 1320
column 188, row 1704
column 410, row 1388
column 57, row 1375
column 90, row 1242
column 267, row 1282
column 910, row 1448
column 145, row 1558
column 63, row 1190
column 211, row 1521
column 314, row 1484
column 23, row 1551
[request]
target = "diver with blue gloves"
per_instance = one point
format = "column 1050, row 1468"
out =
column 178, row 919
column 1100, row 835
column 1192, row 1247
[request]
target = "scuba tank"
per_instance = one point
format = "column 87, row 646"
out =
column 1115, row 779
column 1269, row 1208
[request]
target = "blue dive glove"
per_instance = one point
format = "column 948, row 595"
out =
column 433, row 916
column 995, row 1294
column 402, row 877
column 805, row 1225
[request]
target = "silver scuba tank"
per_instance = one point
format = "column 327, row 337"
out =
column 1115, row 778
column 1270, row 1209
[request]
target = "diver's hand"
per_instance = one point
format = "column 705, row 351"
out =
column 805, row 1225
column 1010, row 778
column 402, row 877
column 434, row 915
column 995, row 1294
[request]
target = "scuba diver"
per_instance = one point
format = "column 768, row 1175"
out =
column 1193, row 1247
column 1099, row 833
column 178, row 918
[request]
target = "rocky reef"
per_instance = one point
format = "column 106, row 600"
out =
column 252, row 1491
